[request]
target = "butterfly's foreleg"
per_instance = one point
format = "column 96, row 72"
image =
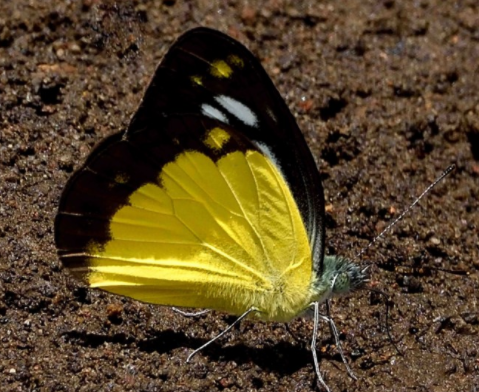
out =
column 313, row 347
column 221, row 333
column 335, row 333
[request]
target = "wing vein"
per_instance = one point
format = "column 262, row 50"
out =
column 253, row 228
column 266, row 254
column 208, row 210
column 293, row 227
column 217, row 251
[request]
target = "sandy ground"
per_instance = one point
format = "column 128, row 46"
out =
column 386, row 93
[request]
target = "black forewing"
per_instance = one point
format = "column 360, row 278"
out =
column 185, row 81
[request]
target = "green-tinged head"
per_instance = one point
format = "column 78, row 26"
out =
column 339, row 277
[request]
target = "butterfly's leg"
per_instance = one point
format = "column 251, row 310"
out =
column 313, row 347
column 334, row 330
column 221, row 333
column 189, row 314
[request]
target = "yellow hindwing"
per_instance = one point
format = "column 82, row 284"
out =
column 224, row 235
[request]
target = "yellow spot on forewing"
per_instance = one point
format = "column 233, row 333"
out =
column 122, row 178
column 221, row 69
column 236, row 60
column 216, row 138
column 225, row 235
column 197, row 80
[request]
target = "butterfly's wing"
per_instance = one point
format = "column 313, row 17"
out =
column 210, row 73
column 208, row 200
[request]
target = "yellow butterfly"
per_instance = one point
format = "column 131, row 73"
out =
column 210, row 199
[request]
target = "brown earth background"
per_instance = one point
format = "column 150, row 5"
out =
column 386, row 93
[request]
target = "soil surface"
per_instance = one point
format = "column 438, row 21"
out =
column 386, row 93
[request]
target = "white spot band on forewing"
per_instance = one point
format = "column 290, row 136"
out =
column 212, row 112
column 237, row 109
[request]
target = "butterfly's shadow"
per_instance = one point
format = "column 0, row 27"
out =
column 284, row 357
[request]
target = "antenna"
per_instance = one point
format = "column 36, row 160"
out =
column 400, row 217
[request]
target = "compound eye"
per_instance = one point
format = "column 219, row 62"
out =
column 342, row 284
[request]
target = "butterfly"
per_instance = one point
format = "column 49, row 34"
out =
column 210, row 199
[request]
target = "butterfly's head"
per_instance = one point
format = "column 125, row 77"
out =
column 348, row 275
column 340, row 276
